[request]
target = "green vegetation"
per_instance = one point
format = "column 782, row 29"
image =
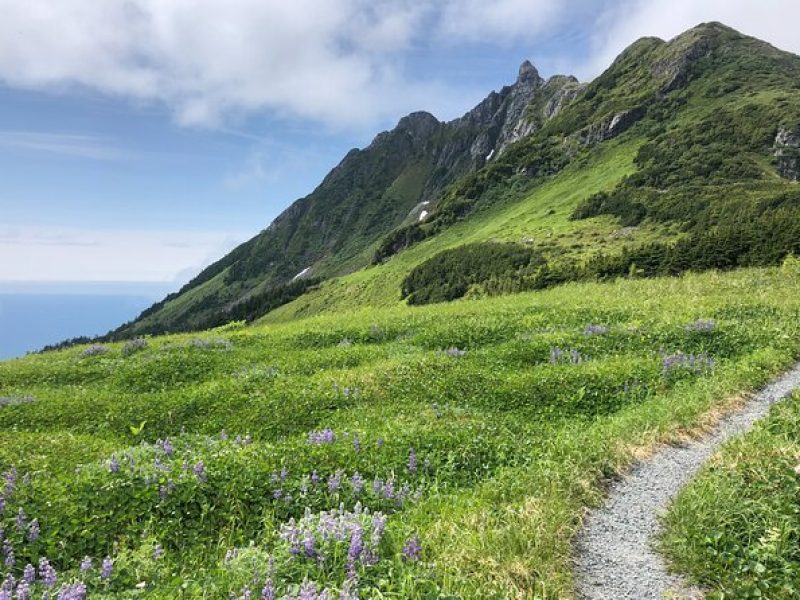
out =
column 450, row 274
column 735, row 528
column 482, row 428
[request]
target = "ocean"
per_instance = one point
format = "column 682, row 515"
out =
column 31, row 318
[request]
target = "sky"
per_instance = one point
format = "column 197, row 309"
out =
column 142, row 139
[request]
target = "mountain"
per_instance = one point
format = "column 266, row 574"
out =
column 682, row 155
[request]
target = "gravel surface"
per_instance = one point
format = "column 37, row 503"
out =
column 613, row 554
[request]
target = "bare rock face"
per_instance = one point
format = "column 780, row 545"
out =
column 787, row 153
column 610, row 127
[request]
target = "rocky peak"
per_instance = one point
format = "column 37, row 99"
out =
column 528, row 73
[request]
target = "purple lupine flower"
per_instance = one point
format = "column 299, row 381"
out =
column 268, row 593
column 356, row 443
column 388, row 489
column 308, row 591
column 107, row 568
column 22, row 520
column 29, row 573
column 75, row 591
column 47, row 573
column 10, row 477
column 158, row 552
column 592, row 329
column 377, row 486
column 378, row 527
column 335, row 481
column 5, row 594
column 10, row 560
column 33, row 530
column 355, row 549
column 167, row 448
column 113, row 466
column 23, row 591
column 8, row 583
column 200, row 470
column 223, row 435
column 86, row 564
column 309, row 544
column 277, row 494
column 412, row 550
column 412, row 461
column 357, row 481
column 284, row 473
column 2, row 505
column 315, row 477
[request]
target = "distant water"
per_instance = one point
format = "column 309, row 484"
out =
column 29, row 321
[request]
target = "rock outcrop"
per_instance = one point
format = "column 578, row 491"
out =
column 787, row 153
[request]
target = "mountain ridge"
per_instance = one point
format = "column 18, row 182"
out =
column 416, row 180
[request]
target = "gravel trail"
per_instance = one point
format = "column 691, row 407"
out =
column 613, row 554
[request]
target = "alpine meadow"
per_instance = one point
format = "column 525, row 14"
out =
column 417, row 380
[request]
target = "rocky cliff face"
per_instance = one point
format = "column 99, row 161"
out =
column 787, row 153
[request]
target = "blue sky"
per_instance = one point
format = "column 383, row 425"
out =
column 142, row 139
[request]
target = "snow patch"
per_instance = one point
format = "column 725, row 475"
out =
column 423, row 215
column 302, row 274
column 490, row 155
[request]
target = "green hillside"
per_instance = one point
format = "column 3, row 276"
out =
column 689, row 142
column 480, row 429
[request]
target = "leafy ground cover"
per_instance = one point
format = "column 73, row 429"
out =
column 736, row 529
column 403, row 452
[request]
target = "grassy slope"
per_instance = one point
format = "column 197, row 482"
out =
column 517, row 447
column 735, row 529
column 541, row 216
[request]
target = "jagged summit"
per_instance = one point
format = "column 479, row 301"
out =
column 528, row 73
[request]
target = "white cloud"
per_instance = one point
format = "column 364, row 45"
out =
column 340, row 62
column 73, row 254
column 333, row 61
column 772, row 20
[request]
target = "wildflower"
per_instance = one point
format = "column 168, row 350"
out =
column 23, row 591
column 199, row 469
column 86, row 564
column 355, row 549
column 380, row 442
column 412, row 461
column 308, row 591
column 223, row 435
column 29, row 573
column 454, row 352
column 412, row 550
column 335, row 481
column 326, row 436
column 158, row 552
column 107, row 568
column 308, row 545
column 595, row 330
column 356, row 443
column 702, row 325
column 21, row 520
column 284, row 473
column 166, row 446
column 315, row 477
column 10, row 477
column 113, row 466
column 47, row 573
column 268, row 593
column 357, row 482
column 94, row 350
column 33, row 530
column 75, row 591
